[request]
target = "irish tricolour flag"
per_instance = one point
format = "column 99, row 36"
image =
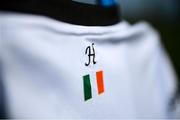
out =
column 87, row 80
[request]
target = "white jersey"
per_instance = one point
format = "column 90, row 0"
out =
column 52, row 69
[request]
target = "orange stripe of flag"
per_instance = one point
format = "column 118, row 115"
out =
column 100, row 81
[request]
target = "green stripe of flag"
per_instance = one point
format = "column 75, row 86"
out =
column 87, row 87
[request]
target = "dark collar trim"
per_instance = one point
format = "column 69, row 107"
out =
column 70, row 12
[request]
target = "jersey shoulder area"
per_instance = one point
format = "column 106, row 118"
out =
column 141, row 29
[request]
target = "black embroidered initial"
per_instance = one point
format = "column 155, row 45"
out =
column 90, row 54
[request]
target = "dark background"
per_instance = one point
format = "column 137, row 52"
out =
column 163, row 15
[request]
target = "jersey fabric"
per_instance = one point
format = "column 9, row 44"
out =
column 44, row 66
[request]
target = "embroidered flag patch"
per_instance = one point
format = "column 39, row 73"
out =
column 88, row 88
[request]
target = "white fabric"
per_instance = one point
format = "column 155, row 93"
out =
column 43, row 65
